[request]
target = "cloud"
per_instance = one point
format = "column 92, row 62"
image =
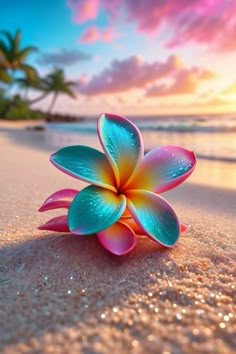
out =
column 216, row 103
column 63, row 57
column 213, row 24
column 231, row 89
column 186, row 81
column 219, row 101
column 130, row 73
column 93, row 33
column 208, row 22
column 107, row 35
column 135, row 73
column 84, row 10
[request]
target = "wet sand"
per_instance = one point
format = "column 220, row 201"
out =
column 65, row 294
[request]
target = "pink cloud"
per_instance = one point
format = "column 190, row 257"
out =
column 90, row 35
column 134, row 73
column 186, row 81
column 93, row 34
column 83, row 79
column 209, row 22
column 84, row 10
column 214, row 26
column 107, row 35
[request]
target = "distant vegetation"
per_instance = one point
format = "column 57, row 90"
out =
column 16, row 72
column 16, row 108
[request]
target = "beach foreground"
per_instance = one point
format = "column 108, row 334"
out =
column 65, row 294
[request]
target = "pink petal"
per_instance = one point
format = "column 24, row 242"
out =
column 164, row 168
column 123, row 146
column 118, row 239
column 59, row 224
column 59, row 199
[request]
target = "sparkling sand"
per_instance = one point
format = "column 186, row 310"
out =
column 66, row 294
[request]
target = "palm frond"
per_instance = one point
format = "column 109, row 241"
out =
column 69, row 92
column 16, row 41
column 4, row 52
column 5, row 77
column 29, row 71
column 12, row 56
column 8, row 37
column 71, row 83
column 22, row 54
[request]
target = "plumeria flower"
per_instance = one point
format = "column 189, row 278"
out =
column 123, row 198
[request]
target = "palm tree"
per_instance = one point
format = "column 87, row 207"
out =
column 56, row 83
column 4, row 76
column 28, row 82
column 13, row 57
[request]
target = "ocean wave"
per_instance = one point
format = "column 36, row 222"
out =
column 216, row 158
column 179, row 127
column 189, row 128
column 221, row 146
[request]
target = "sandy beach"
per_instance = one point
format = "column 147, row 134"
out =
column 66, row 294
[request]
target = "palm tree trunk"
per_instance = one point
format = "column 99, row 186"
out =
column 53, row 102
column 11, row 85
column 25, row 93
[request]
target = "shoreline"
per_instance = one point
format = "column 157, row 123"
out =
column 208, row 172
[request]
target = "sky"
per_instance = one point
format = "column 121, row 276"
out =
column 133, row 57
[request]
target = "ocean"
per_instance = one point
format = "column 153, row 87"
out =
column 212, row 137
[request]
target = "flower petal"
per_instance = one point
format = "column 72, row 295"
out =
column 119, row 239
column 94, row 209
column 122, row 143
column 85, row 163
column 59, row 199
column 59, row 224
column 157, row 218
column 126, row 214
column 138, row 230
column 164, row 168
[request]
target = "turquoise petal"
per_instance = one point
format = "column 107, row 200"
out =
column 94, row 209
column 155, row 216
column 122, row 143
column 85, row 163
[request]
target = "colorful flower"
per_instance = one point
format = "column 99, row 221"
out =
column 123, row 198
